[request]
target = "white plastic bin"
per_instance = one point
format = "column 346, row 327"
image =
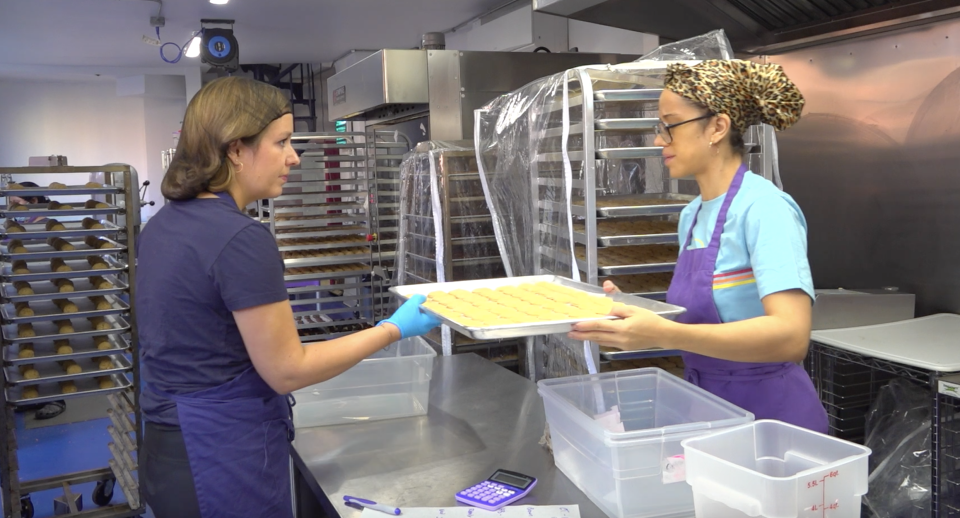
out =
column 617, row 437
column 775, row 470
column 393, row 382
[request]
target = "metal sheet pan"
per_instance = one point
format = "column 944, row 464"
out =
column 71, row 190
column 51, row 392
column 631, row 269
column 46, row 310
column 83, row 347
column 366, row 270
column 325, row 232
column 40, row 271
column 42, row 210
column 39, row 251
column 73, row 229
column 51, row 372
column 637, row 355
column 629, row 206
column 644, row 124
column 326, row 260
column 47, row 331
column 622, row 153
column 643, row 239
column 536, row 329
column 48, row 291
column 639, row 94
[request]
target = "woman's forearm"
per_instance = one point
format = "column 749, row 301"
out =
column 757, row 340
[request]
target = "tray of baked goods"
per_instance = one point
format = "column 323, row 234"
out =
column 302, row 258
column 613, row 354
column 300, row 223
column 626, row 260
column 59, row 189
column 34, row 250
column 66, row 307
column 64, row 349
column 57, row 268
column 514, row 307
column 625, row 232
column 28, row 394
column 638, row 204
column 301, row 244
column 334, row 271
column 321, row 231
column 318, row 209
column 52, row 228
column 23, row 291
column 55, row 208
column 64, row 329
column 64, row 370
column 645, row 284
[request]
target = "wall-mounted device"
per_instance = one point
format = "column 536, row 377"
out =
column 218, row 46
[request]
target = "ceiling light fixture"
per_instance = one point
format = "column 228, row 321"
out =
column 219, row 2
column 193, row 49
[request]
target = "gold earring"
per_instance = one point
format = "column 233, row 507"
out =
column 241, row 167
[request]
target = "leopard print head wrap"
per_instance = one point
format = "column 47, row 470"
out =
column 748, row 92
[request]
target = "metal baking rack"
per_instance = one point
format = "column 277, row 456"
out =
column 623, row 233
column 468, row 242
column 327, row 235
column 68, row 326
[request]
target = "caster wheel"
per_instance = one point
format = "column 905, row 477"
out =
column 103, row 493
column 26, row 507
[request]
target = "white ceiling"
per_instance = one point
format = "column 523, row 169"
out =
column 51, row 38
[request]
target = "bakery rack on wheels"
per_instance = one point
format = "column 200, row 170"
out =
column 322, row 224
column 385, row 151
column 68, row 325
column 449, row 236
column 602, row 206
column 850, row 366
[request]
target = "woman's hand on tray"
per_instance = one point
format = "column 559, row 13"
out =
column 411, row 320
column 635, row 329
column 610, row 288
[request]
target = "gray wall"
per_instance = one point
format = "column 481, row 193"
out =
column 875, row 161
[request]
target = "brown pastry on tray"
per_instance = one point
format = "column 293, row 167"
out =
column 60, row 244
column 23, row 309
column 66, row 306
column 19, row 267
column 91, row 224
column 57, row 265
column 63, row 285
column 15, row 246
column 53, row 225
column 25, row 331
column 23, row 288
column 97, row 263
column 12, row 226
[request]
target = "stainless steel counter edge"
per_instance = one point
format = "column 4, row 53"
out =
column 481, row 417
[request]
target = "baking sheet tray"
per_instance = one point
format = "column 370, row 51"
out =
column 47, row 331
column 361, row 270
column 637, row 355
column 73, row 229
column 621, row 153
column 51, row 372
column 40, row 271
column 83, row 347
column 639, row 204
column 534, row 329
column 41, row 209
column 45, row 290
column 70, row 190
column 631, row 269
column 51, row 391
column 46, row 310
column 38, row 251
column 326, row 260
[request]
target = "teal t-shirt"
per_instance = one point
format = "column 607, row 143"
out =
column 763, row 248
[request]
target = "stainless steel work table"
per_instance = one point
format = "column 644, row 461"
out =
column 481, row 417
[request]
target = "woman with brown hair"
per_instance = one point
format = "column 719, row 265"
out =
column 219, row 347
column 742, row 273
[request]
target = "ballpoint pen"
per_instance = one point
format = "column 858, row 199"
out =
column 370, row 504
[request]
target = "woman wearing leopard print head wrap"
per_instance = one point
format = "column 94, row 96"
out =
column 742, row 273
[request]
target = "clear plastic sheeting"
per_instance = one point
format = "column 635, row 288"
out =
column 548, row 151
column 444, row 220
column 898, row 433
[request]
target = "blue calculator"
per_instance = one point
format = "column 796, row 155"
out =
column 502, row 488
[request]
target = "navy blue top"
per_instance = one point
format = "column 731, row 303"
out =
column 198, row 261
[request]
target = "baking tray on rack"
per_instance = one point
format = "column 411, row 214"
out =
column 637, row 355
column 46, row 310
column 51, row 372
column 42, row 210
column 51, row 391
column 40, row 271
column 529, row 329
column 73, row 229
column 70, row 190
column 639, row 204
column 333, row 230
column 83, row 347
column 37, row 251
column 326, row 272
column 47, row 290
column 47, row 331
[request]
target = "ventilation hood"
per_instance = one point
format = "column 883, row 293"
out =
column 756, row 26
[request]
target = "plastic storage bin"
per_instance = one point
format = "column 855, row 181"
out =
column 393, row 382
column 617, row 437
column 775, row 470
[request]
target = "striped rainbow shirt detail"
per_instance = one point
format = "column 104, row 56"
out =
column 733, row 279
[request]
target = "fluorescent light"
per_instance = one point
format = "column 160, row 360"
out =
column 193, row 49
column 219, row 2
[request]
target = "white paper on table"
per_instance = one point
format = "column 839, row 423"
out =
column 517, row 511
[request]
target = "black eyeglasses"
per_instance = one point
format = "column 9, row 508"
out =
column 664, row 129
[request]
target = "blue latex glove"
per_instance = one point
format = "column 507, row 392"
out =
column 410, row 320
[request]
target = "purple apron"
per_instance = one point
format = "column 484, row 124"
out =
column 238, row 442
column 781, row 391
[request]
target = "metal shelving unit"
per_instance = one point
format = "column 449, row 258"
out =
column 69, row 326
